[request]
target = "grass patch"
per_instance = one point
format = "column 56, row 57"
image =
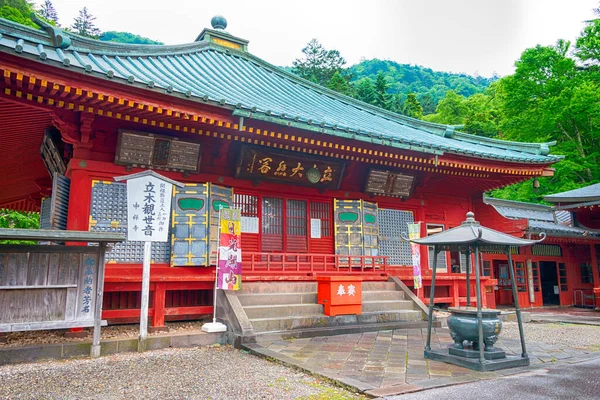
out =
column 328, row 393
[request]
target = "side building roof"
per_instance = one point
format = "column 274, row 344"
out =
column 218, row 70
column 589, row 193
column 540, row 218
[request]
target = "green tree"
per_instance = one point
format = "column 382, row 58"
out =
column 48, row 12
column 412, row 108
column 450, row 110
column 483, row 113
column 84, row 24
column 126, row 37
column 382, row 97
column 587, row 47
column 340, row 85
column 18, row 220
column 550, row 98
column 365, row 91
column 318, row 64
column 18, row 11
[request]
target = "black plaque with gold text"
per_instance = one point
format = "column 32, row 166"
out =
column 259, row 164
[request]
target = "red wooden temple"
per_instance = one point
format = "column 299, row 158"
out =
column 318, row 176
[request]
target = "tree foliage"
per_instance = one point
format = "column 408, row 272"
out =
column 318, row 64
column 126, row 37
column 18, row 220
column 84, row 24
column 411, row 107
column 17, row 11
column 48, row 12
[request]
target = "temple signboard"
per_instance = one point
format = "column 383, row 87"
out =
column 274, row 165
column 388, row 183
column 147, row 150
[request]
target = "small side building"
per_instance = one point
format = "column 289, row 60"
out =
column 562, row 271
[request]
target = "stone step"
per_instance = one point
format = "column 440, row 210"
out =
column 335, row 330
column 382, row 295
column 314, row 321
column 264, row 299
column 279, row 287
column 283, row 311
column 386, row 305
column 371, row 286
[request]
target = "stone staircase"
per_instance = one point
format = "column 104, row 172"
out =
column 290, row 309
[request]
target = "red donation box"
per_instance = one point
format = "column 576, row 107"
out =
column 340, row 294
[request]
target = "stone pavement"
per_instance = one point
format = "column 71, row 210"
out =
column 391, row 362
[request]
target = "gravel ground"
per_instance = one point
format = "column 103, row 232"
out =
column 216, row 372
column 30, row 338
column 557, row 334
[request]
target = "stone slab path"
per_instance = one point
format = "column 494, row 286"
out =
column 391, row 362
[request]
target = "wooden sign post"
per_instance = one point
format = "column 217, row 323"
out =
column 148, row 217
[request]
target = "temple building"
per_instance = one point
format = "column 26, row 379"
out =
column 326, row 184
column 562, row 270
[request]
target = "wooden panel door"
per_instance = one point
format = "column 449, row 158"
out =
column 296, row 222
column 272, row 224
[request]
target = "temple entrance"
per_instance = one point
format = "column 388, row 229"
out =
column 504, row 296
column 549, row 275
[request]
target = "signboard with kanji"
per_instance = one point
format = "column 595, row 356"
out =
column 148, row 209
column 388, row 183
column 277, row 165
column 147, row 150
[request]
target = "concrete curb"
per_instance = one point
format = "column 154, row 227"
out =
column 62, row 351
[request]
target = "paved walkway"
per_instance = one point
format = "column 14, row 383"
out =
column 391, row 362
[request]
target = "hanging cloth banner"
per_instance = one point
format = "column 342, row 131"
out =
column 414, row 232
column 230, row 251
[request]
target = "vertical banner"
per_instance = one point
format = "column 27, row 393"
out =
column 230, row 251
column 414, row 232
column 530, row 282
column 148, row 209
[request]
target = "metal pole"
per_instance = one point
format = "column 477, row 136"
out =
column 145, row 297
column 515, row 296
column 217, row 270
column 95, row 349
column 431, row 299
column 468, row 276
column 479, row 315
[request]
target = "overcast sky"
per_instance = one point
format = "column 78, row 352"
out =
column 468, row 36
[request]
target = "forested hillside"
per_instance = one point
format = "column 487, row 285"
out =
column 428, row 85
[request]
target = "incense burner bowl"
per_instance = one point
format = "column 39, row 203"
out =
column 464, row 328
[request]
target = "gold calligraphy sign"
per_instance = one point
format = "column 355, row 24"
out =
column 226, row 43
column 266, row 164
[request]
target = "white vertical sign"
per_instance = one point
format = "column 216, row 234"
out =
column 148, row 209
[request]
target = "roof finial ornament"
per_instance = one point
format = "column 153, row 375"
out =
column 218, row 22
column 471, row 216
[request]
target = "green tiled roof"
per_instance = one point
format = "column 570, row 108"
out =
column 252, row 88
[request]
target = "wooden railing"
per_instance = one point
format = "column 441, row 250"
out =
column 270, row 264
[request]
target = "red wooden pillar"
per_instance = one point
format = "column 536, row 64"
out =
column 455, row 294
column 78, row 217
column 596, row 274
column 79, row 200
column 595, row 265
column 160, row 295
